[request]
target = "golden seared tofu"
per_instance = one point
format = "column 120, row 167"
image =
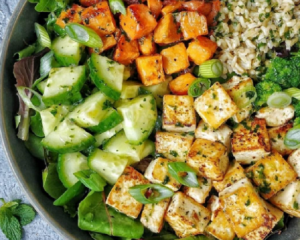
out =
column 294, row 161
column 153, row 215
column 271, row 174
column 219, row 227
column 222, row 134
column 288, row 200
column 250, row 141
column 243, row 207
column 209, row 158
column 120, row 198
column 150, row 69
column 234, row 173
column 276, row 116
column 277, row 135
column 174, row 146
column 186, row 216
column 157, row 172
column 242, row 114
column 178, row 113
column 200, row 193
column 175, row 58
column 215, row 106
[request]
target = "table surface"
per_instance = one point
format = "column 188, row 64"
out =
column 9, row 187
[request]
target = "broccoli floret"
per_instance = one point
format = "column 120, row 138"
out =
column 264, row 90
column 284, row 72
column 296, row 104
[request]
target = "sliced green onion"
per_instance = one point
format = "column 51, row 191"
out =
column 245, row 96
column 117, row 6
column 292, row 138
column 26, row 52
column 42, row 36
column 198, row 87
column 84, row 35
column 279, row 100
column 211, row 69
column 150, row 193
column 91, row 180
column 183, row 173
column 293, row 92
column 27, row 99
column 72, row 192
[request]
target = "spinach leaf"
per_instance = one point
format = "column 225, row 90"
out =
column 91, row 180
column 98, row 236
column 36, row 125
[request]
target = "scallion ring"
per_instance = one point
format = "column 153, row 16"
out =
column 25, row 93
column 198, row 87
column 117, row 6
column 279, row 100
column 42, row 36
column 183, row 173
column 211, row 69
column 292, row 138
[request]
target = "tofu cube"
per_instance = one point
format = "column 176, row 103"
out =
column 178, row 113
column 250, row 141
column 192, row 24
column 147, row 45
column 234, row 173
column 175, row 58
column 186, row 216
column 126, row 51
column 157, row 172
column 271, row 174
column 120, row 198
column 138, row 21
column 174, row 146
column 243, row 207
column 277, row 135
column 222, row 134
column 288, row 200
column 276, row 116
column 242, row 114
column 294, row 161
column 200, row 193
column 215, row 106
column 209, row 158
column 72, row 15
column 153, row 215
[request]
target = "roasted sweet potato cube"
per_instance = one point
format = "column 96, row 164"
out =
column 175, row 58
column 201, row 50
column 99, row 18
column 155, row 7
column 198, row 6
column 150, row 69
column 88, row 3
column 174, row 7
column 109, row 41
column 126, row 51
column 147, row 45
column 72, row 15
column 167, row 30
column 181, row 84
column 138, row 21
column 216, row 6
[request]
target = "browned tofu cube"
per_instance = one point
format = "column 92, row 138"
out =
column 126, row 51
column 192, row 25
column 271, row 174
column 72, row 15
column 175, row 58
column 150, row 69
column 109, row 41
column 147, row 45
column 208, row 158
column 138, row 21
column 155, row 7
column 120, row 198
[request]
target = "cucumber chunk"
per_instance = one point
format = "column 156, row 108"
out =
column 130, row 89
column 139, row 116
column 103, row 137
column 108, row 165
column 68, row 138
column 41, row 86
column 68, row 164
column 66, row 51
column 107, row 75
column 63, row 83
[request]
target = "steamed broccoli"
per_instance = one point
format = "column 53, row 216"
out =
column 264, row 90
column 296, row 104
column 285, row 72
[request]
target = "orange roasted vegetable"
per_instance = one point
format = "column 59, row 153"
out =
column 109, row 41
column 72, row 15
column 126, row 51
column 155, row 7
column 138, row 22
column 147, row 45
column 198, row 6
column 88, row 3
column 201, row 50
column 216, row 6
column 99, row 18
column 177, row 6
column 181, row 84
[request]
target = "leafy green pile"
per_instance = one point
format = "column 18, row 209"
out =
column 49, row 5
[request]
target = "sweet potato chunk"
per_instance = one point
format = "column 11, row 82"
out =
column 99, row 18
column 88, row 3
column 216, row 6
column 126, row 51
column 167, row 30
column 181, row 84
column 198, row 6
column 201, row 49
column 147, row 45
column 109, row 41
column 72, row 15
column 172, row 8
column 138, row 22
column 150, row 69
column 175, row 58
column 155, row 7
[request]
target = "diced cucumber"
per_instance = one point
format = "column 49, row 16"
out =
column 52, row 117
column 66, row 51
column 110, row 166
column 120, row 102
column 130, row 89
column 41, row 86
column 139, row 116
column 102, row 137
column 63, row 83
column 127, row 73
column 68, row 164
column 107, row 75
column 68, row 138
column 149, row 149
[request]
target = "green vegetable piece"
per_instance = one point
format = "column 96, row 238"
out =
column 264, row 90
column 279, row 100
column 183, row 174
column 72, row 192
column 24, row 212
column 280, row 224
column 22, row 91
column 9, row 224
column 211, row 69
column 36, row 125
column 117, row 6
column 98, row 236
column 292, row 138
column 293, row 92
column 42, row 36
column 91, row 180
column 198, row 87
column 45, row 5
column 35, row 147
column 26, row 52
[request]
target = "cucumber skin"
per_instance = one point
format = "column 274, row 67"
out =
column 108, row 123
column 59, row 30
